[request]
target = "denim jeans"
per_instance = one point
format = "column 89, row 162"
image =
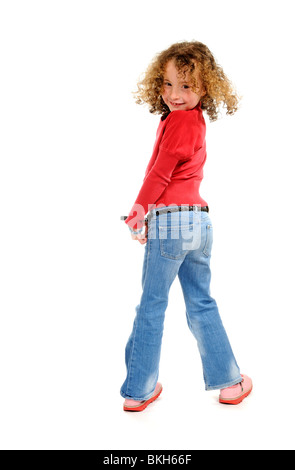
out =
column 179, row 244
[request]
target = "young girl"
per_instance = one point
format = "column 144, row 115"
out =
column 180, row 83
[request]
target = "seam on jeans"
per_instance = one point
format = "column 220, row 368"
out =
column 188, row 318
column 132, row 351
column 130, row 360
column 208, row 227
column 147, row 254
column 189, row 322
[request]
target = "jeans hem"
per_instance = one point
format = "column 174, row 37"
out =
column 226, row 385
column 128, row 397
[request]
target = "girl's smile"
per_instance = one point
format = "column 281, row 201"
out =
column 176, row 104
column 177, row 93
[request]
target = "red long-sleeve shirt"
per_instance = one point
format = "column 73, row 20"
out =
column 175, row 170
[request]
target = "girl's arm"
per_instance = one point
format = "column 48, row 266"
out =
column 178, row 143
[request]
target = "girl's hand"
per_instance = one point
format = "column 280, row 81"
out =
column 142, row 238
column 139, row 238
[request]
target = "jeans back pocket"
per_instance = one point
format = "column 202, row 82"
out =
column 177, row 241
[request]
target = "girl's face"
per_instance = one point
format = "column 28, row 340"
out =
column 177, row 92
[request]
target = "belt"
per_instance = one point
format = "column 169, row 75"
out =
column 182, row 209
column 168, row 210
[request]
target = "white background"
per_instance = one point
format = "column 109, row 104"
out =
column 74, row 148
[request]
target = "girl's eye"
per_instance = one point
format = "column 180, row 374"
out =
column 169, row 84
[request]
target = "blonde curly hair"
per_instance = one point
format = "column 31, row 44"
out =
column 188, row 57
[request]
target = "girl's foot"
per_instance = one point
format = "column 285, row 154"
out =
column 237, row 393
column 133, row 405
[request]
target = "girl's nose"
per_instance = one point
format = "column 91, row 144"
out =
column 174, row 94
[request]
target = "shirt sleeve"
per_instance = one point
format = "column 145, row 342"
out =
column 180, row 135
column 177, row 144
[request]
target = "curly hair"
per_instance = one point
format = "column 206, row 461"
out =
column 188, row 57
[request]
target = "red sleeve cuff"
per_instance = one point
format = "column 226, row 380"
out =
column 135, row 219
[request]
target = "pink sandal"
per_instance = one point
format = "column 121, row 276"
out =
column 237, row 393
column 133, row 405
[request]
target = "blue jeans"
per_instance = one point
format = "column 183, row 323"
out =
column 180, row 244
